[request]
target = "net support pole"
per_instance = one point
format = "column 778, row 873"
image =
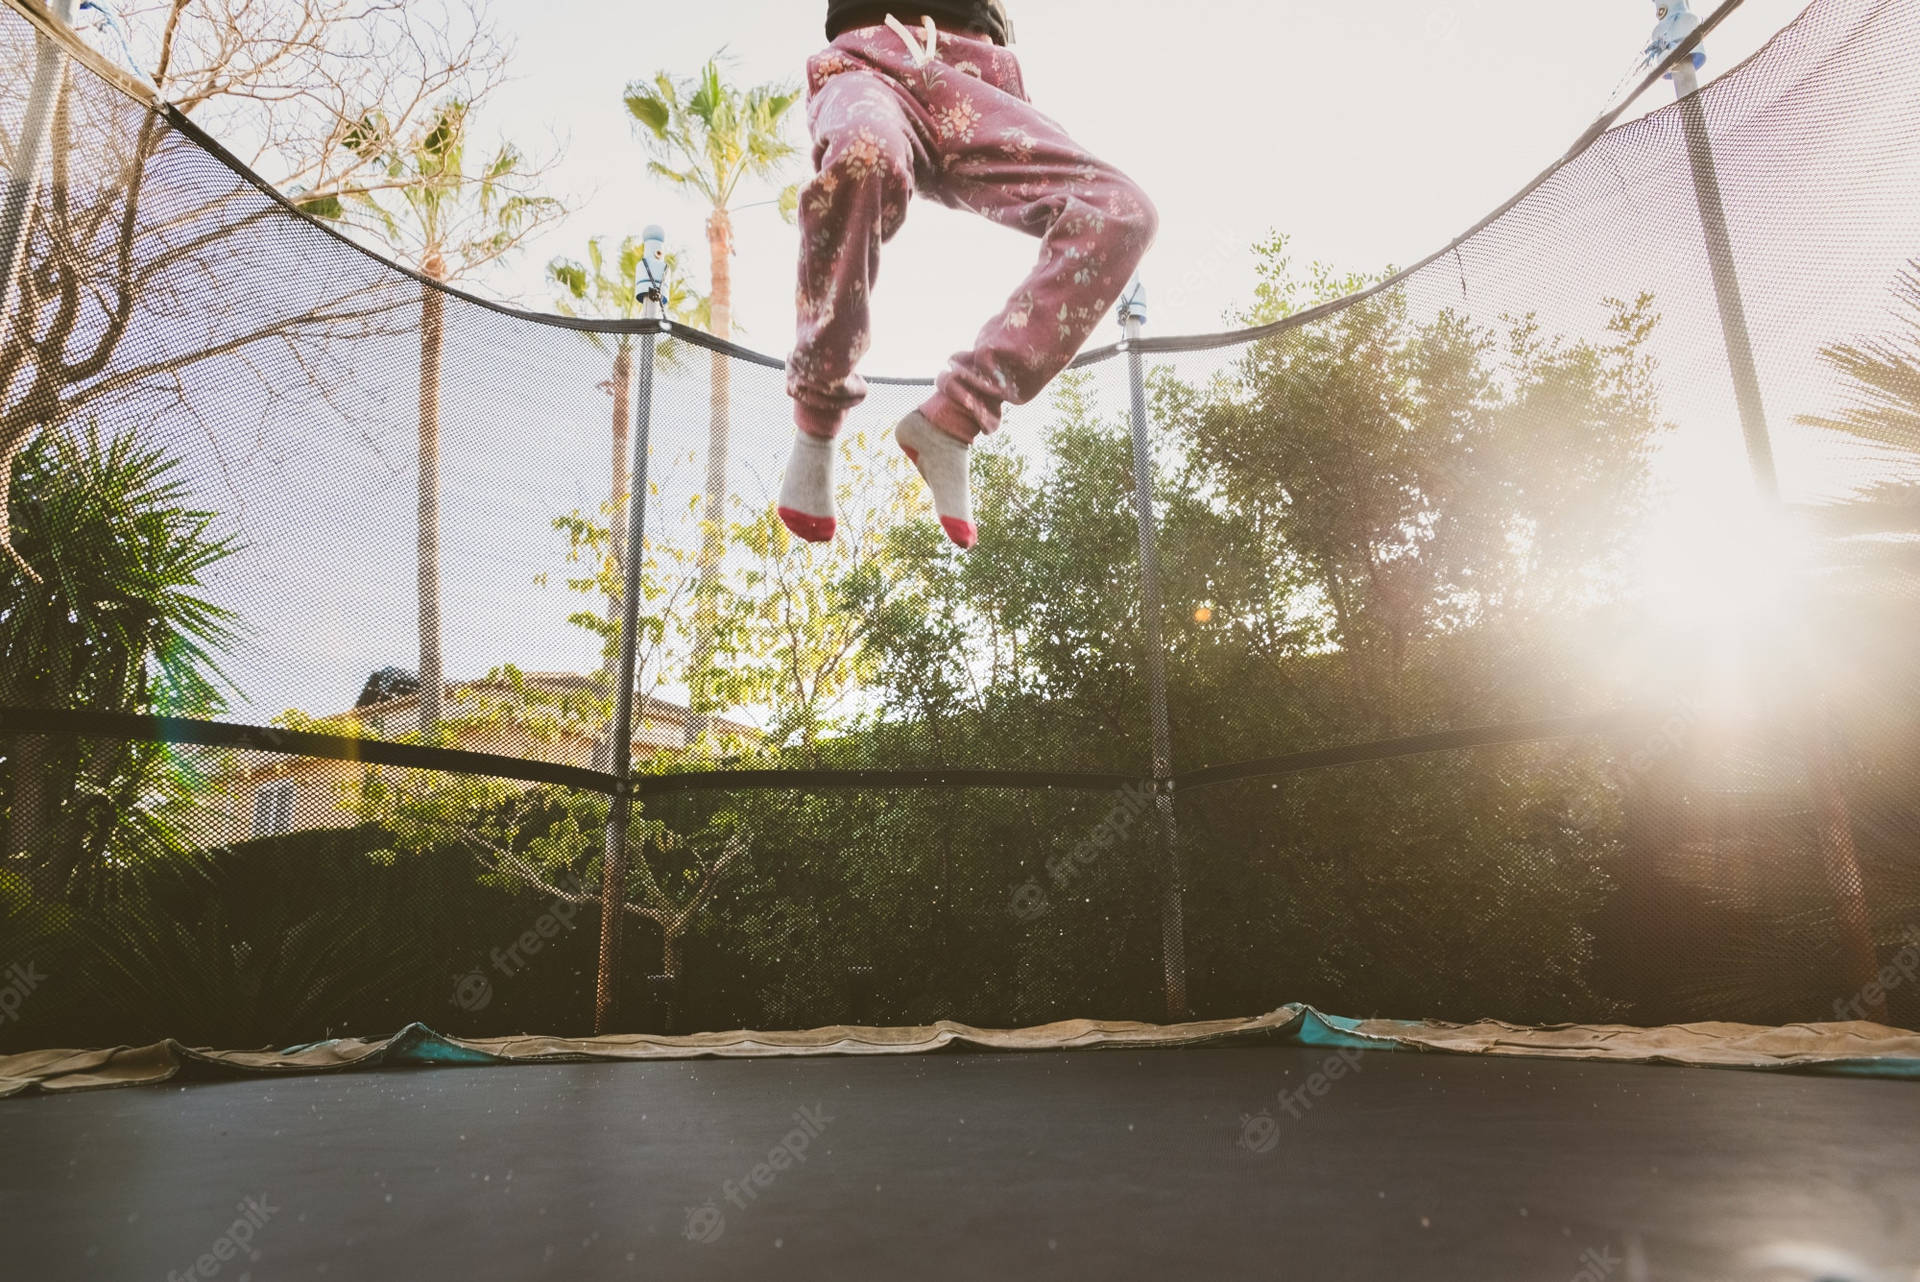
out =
column 1726, row 284
column 30, row 150
column 613, row 880
column 1173, row 936
column 1832, row 813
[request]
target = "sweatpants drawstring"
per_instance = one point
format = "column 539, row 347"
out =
column 921, row 57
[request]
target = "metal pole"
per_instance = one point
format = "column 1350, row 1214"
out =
column 1726, row 283
column 1173, row 938
column 30, row 153
column 1832, row 813
column 613, row 883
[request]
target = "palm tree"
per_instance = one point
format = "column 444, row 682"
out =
column 1871, row 530
column 1882, row 380
column 710, row 137
column 446, row 221
column 610, row 291
column 121, row 623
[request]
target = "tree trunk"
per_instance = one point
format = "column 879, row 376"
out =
column 33, row 830
column 27, row 818
column 617, row 527
column 44, row 130
column 719, row 434
column 433, row 335
column 1840, row 861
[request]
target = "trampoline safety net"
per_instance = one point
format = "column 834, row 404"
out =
column 1494, row 679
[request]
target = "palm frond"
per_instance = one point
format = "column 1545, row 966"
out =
column 1881, row 376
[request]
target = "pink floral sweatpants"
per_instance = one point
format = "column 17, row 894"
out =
column 957, row 128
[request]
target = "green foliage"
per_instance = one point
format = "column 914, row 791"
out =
column 1882, row 376
column 598, row 574
column 1391, row 486
column 1873, row 527
column 427, row 195
column 1453, row 887
column 1029, row 643
column 181, row 960
column 708, row 136
column 793, row 621
column 607, row 288
column 551, row 841
column 1279, row 291
column 122, row 623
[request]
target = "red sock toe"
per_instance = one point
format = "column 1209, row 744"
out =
column 814, row 529
column 961, row 532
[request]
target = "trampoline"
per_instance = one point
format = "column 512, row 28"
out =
column 1513, row 657
column 1127, row 1164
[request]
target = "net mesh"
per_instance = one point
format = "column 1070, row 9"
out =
column 1493, row 688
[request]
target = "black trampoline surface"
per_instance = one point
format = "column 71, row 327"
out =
column 1201, row 1163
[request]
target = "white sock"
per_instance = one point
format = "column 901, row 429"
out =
column 942, row 460
column 806, row 493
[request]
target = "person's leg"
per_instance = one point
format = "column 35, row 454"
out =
column 1015, row 165
column 1004, row 159
column 864, row 158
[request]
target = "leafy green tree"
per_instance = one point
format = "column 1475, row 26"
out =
column 447, row 213
column 1281, row 288
column 121, row 623
column 1031, row 643
column 793, row 620
column 552, row 841
column 1356, row 514
column 1413, row 483
column 711, row 138
column 595, row 569
column 1389, row 522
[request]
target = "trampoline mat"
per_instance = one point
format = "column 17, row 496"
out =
column 1250, row 1161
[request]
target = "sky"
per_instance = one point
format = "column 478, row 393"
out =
column 1371, row 134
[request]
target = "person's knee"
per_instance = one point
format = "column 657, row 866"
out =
column 862, row 157
column 1136, row 214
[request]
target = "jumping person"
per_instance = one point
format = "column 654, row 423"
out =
column 928, row 98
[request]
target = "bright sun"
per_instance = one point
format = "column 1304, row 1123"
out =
column 1722, row 576
column 1719, row 559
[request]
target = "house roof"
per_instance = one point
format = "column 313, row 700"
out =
column 653, row 712
column 656, row 711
